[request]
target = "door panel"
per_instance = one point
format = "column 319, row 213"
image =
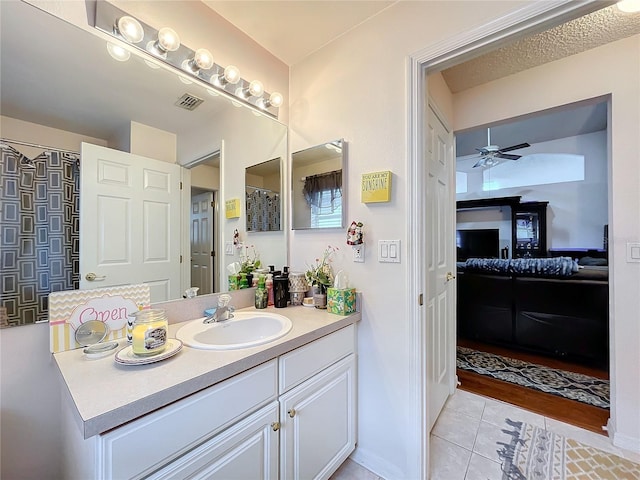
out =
column 440, row 290
column 129, row 221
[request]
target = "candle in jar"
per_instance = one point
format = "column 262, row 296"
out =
column 149, row 332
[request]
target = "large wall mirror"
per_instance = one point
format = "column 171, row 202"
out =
column 84, row 94
column 317, row 194
column 262, row 196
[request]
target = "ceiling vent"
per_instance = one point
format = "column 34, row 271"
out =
column 189, row 101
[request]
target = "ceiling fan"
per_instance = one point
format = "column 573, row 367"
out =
column 491, row 154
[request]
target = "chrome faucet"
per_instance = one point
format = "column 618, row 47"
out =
column 223, row 311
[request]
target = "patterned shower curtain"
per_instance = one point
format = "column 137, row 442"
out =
column 263, row 210
column 39, row 231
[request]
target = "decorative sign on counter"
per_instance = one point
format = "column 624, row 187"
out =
column 70, row 309
column 232, row 208
column 376, row 187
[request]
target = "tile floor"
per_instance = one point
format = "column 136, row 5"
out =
column 463, row 440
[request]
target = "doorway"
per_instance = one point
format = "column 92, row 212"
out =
column 202, row 232
column 433, row 59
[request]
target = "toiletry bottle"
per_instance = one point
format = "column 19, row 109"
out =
column 269, row 284
column 280, row 291
column 261, row 293
column 285, row 273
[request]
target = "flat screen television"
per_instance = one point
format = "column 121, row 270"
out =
column 477, row 244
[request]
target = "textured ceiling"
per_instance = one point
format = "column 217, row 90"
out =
column 584, row 33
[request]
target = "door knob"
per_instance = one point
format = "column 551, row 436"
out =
column 92, row 277
column 450, row 276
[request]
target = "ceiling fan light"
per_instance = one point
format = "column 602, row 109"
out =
column 629, row 6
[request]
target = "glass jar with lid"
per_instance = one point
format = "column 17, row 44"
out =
column 150, row 331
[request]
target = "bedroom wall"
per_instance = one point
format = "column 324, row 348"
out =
column 574, row 79
column 577, row 211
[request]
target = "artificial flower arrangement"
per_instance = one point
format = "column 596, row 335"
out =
column 321, row 274
column 249, row 258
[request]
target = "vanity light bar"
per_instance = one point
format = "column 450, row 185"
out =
column 216, row 77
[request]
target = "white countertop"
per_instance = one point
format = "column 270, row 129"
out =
column 107, row 394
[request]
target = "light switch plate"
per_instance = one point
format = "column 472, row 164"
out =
column 389, row 251
column 228, row 248
column 633, row 252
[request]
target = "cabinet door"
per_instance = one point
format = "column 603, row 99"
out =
column 319, row 423
column 247, row 450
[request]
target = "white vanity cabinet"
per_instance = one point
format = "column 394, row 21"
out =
column 318, row 406
column 293, row 417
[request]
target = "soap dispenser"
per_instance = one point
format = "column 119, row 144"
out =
column 261, row 293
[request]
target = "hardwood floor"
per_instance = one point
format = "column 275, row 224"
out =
column 569, row 411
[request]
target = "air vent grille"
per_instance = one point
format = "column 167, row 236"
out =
column 189, row 101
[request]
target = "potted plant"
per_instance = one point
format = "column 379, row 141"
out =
column 320, row 276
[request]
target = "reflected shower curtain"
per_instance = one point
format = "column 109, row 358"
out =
column 39, row 236
column 263, row 210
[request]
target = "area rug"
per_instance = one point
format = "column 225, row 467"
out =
column 575, row 386
column 533, row 453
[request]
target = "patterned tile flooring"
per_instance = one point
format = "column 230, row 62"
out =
column 463, row 440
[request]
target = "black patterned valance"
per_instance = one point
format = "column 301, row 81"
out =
column 316, row 186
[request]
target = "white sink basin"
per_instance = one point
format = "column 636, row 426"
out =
column 245, row 329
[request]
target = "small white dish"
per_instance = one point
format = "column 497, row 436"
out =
column 100, row 350
column 125, row 356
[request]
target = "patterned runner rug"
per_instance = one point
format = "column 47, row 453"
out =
column 532, row 453
column 575, row 386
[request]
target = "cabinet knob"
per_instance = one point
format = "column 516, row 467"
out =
column 292, row 412
column 275, row 426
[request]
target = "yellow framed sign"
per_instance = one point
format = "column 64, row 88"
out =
column 376, row 187
column 232, row 208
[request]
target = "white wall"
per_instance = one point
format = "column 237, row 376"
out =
column 355, row 88
column 611, row 69
column 577, row 211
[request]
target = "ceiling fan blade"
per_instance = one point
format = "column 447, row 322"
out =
column 508, row 156
column 482, row 150
column 480, row 163
column 514, row 147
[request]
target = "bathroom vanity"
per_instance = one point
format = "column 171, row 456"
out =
column 282, row 410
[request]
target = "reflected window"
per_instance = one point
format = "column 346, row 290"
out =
column 461, row 182
column 535, row 169
column 328, row 214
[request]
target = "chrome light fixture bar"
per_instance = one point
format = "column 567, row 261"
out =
column 164, row 46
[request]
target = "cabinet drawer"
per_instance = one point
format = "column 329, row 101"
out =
column 304, row 362
column 145, row 444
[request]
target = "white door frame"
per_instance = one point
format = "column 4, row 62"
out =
column 432, row 58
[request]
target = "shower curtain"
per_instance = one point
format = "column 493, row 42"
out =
column 39, row 231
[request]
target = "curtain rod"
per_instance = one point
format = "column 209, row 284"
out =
column 303, row 179
column 266, row 190
column 35, row 145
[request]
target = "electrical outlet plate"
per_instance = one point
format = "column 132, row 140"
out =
column 358, row 253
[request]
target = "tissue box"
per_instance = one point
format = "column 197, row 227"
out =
column 341, row 301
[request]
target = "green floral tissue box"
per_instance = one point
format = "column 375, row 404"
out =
column 341, row 301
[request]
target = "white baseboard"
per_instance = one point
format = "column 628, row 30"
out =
column 623, row 441
column 376, row 464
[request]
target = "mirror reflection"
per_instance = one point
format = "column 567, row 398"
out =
column 316, row 191
column 262, row 196
column 130, row 108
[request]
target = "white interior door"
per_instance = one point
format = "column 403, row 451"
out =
column 202, row 251
column 441, row 266
column 129, row 221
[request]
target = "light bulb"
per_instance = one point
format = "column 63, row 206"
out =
column 130, row 29
column 232, row 74
column 629, row 6
column 276, row 99
column 168, row 39
column 117, row 52
column 203, row 58
column 256, row 88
